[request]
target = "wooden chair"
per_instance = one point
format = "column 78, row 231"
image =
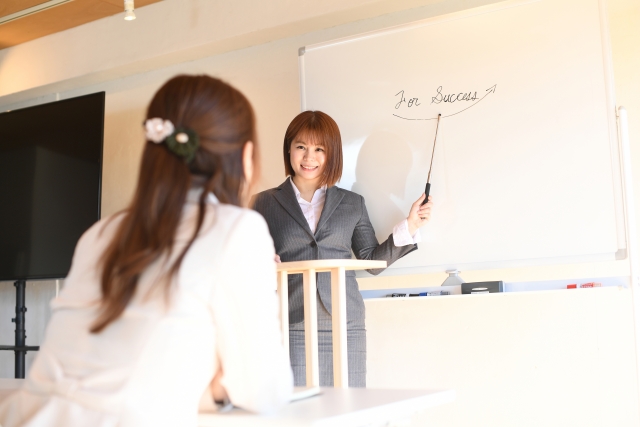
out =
column 308, row 269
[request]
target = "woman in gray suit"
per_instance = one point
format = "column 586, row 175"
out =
column 309, row 218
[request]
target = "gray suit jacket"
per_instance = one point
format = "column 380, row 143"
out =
column 344, row 226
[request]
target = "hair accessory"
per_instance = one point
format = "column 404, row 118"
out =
column 157, row 129
column 182, row 142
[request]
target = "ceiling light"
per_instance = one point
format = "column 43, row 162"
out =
column 128, row 10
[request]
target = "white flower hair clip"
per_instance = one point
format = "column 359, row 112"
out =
column 182, row 142
column 157, row 130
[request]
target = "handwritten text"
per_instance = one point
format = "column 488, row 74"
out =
column 410, row 103
column 453, row 97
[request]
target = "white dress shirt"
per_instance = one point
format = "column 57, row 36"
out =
column 313, row 209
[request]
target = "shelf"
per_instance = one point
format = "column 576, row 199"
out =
column 510, row 288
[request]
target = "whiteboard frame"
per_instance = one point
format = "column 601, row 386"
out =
column 614, row 140
column 632, row 238
column 422, row 22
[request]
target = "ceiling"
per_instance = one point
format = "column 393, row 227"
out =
column 57, row 18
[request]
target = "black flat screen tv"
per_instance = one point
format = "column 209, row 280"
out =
column 50, row 184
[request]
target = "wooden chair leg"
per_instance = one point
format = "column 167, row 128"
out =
column 283, row 297
column 339, row 326
column 311, row 327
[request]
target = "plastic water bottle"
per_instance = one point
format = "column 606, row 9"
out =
column 453, row 279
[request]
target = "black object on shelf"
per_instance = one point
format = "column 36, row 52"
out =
column 482, row 287
column 20, row 348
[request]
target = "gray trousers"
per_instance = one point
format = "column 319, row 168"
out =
column 356, row 349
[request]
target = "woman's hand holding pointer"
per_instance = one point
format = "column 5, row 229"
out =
column 419, row 214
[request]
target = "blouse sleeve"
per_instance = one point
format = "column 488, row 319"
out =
column 401, row 235
column 256, row 371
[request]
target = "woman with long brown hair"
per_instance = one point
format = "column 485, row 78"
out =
column 160, row 312
column 309, row 219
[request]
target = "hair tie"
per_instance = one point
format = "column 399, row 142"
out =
column 182, row 142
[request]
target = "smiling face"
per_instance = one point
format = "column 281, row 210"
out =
column 312, row 150
column 307, row 158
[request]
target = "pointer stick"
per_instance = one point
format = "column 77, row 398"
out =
column 427, row 188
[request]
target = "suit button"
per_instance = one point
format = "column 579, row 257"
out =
column 314, row 244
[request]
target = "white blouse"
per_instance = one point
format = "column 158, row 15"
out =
column 313, row 209
column 153, row 365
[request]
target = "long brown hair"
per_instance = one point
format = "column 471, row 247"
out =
column 322, row 130
column 224, row 121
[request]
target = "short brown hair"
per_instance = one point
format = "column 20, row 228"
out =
column 324, row 131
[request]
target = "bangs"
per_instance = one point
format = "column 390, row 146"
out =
column 310, row 137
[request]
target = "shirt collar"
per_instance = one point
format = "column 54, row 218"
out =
column 319, row 192
column 193, row 196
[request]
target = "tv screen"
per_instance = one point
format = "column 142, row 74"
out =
column 50, row 184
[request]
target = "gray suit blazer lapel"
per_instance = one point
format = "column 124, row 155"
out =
column 331, row 202
column 287, row 198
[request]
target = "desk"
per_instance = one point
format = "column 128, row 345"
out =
column 338, row 407
column 335, row 407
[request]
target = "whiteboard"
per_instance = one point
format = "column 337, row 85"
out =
column 526, row 166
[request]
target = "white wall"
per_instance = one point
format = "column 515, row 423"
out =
column 253, row 45
column 526, row 359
